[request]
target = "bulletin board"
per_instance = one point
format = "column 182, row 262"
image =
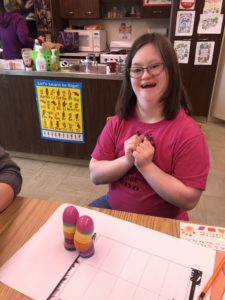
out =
column 60, row 110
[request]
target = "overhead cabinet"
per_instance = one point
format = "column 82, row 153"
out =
column 156, row 8
column 80, row 9
column 116, row 9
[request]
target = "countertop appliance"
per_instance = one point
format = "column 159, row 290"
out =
column 118, row 52
column 90, row 40
column 117, row 56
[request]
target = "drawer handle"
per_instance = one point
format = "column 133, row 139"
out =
column 70, row 12
column 89, row 13
column 157, row 11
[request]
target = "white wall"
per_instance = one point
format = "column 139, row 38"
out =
column 139, row 27
column 218, row 97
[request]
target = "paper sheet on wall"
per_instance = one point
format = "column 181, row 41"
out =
column 204, row 53
column 60, row 110
column 130, row 262
column 210, row 24
column 182, row 49
column 185, row 23
column 212, row 6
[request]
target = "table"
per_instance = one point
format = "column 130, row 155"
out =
column 26, row 215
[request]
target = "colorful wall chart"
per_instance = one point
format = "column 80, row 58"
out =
column 60, row 110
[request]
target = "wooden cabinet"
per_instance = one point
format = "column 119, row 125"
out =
column 116, row 9
column 133, row 9
column 89, row 9
column 19, row 118
column 80, row 9
column 155, row 11
column 111, row 9
column 68, row 9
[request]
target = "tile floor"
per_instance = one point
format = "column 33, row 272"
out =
column 68, row 180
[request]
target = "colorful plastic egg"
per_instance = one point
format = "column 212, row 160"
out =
column 70, row 215
column 85, row 224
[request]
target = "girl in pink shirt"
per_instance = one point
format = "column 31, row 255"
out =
column 151, row 153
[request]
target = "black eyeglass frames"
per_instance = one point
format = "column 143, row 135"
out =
column 153, row 69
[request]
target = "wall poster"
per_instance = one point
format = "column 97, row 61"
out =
column 185, row 23
column 182, row 49
column 125, row 30
column 60, row 110
column 212, row 6
column 210, row 24
column 204, row 53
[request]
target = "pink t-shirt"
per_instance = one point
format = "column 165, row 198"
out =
column 181, row 151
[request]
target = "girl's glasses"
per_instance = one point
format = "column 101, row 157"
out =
column 154, row 70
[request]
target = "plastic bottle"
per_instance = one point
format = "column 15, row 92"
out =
column 114, row 12
column 40, row 61
column 36, row 44
column 54, row 66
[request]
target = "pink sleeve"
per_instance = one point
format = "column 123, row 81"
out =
column 191, row 162
column 105, row 147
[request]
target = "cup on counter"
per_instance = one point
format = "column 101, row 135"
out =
column 111, row 67
column 27, row 58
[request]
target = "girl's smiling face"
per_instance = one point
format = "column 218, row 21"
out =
column 149, row 87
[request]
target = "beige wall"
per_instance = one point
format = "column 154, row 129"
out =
column 218, row 97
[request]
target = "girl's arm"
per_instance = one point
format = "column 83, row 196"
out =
column 165, row 185
column 108, row 171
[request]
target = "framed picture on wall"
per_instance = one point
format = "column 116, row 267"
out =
column 156, row 2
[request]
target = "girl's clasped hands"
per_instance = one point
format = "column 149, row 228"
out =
column 139, row 150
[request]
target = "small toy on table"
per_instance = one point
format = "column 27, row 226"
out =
column 83, row 238
column 70, row 217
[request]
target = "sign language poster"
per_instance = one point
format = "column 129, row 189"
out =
column 60, row 110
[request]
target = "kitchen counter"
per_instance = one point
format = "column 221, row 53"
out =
column 20, row 129
column 63, row 74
